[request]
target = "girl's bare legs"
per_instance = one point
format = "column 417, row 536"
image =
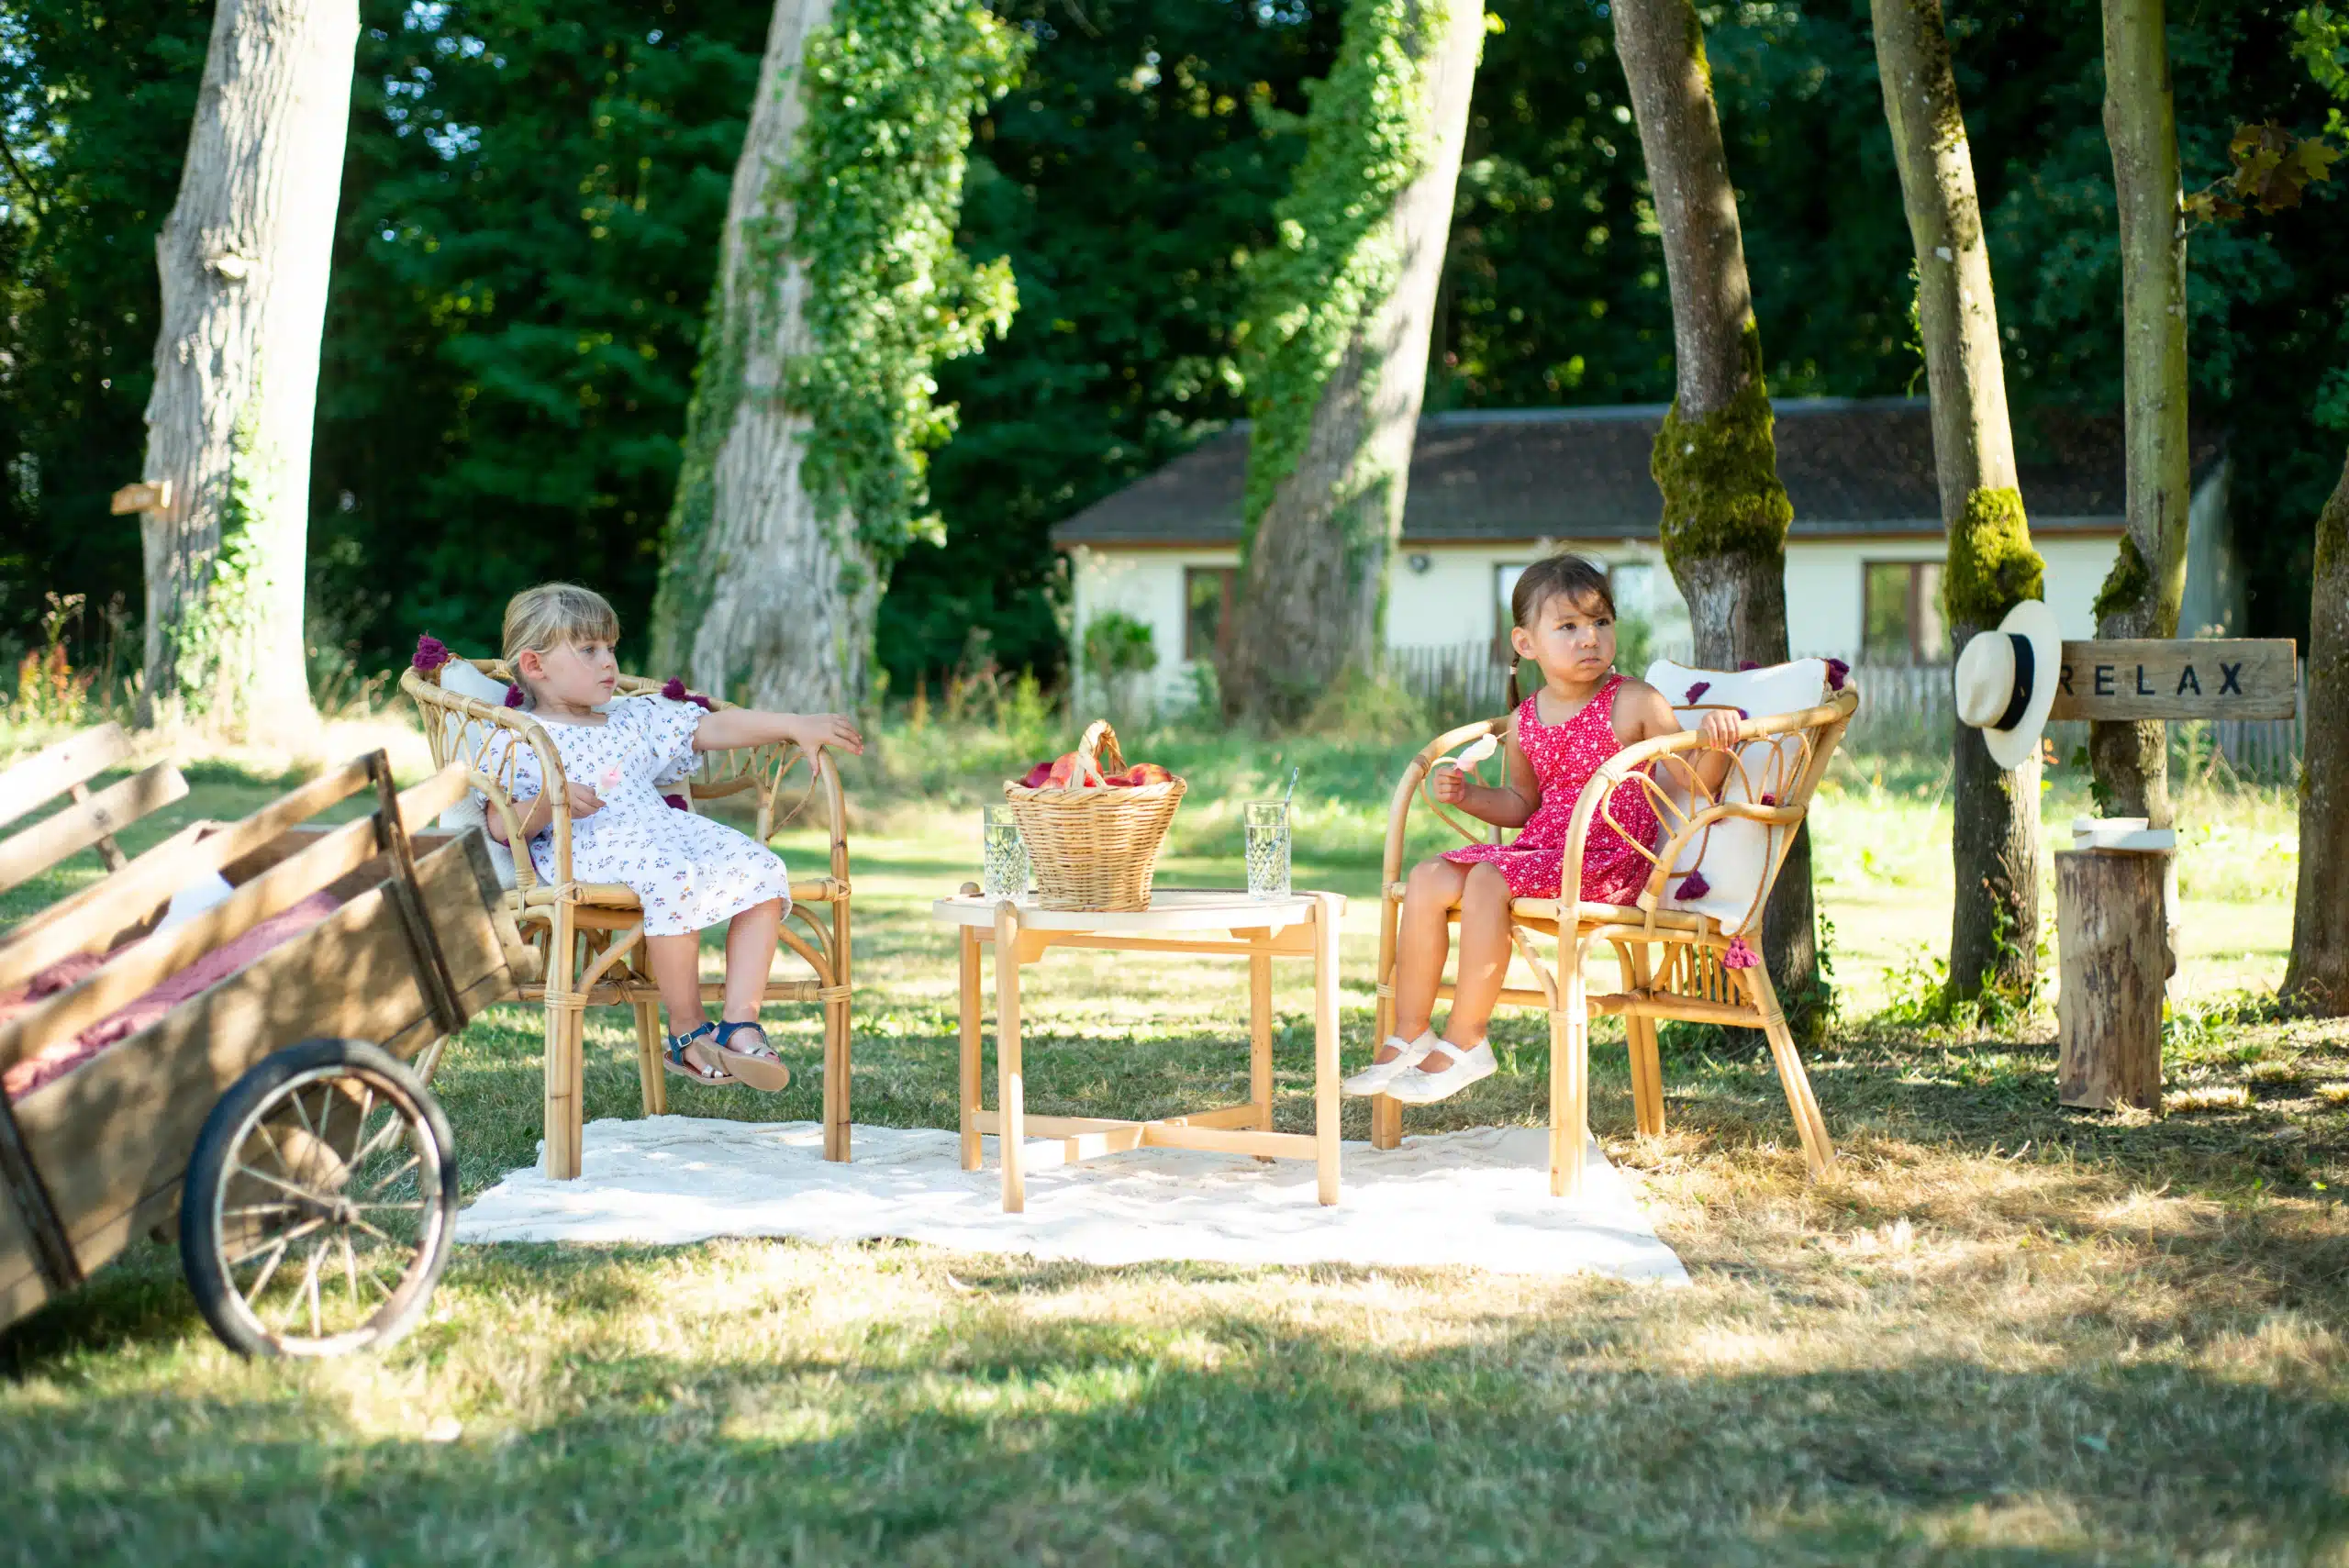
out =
column 1483, row 964
column 676, row 970
column 751, row 941
column 1421, row 945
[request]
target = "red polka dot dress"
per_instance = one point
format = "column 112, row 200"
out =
column 1565, row 756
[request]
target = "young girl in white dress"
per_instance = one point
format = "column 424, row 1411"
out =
column 689, row 872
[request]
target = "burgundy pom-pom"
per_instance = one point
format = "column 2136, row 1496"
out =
column 1769, row 800
column 431, row 653
column 676, row 803
column 1745, row 664
column 1739, row 956
column 1743, row 715
column 513, row 696
column 1697, row 689
column 1837, row 673
column 674, row 690
column 1694, row 885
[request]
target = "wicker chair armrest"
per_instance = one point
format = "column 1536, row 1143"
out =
column 1830, row 716
column 1407, row 789
column 430, row 699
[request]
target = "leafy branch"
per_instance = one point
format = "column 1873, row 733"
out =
column 2273, row 170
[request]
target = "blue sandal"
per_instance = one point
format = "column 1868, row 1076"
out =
column 684, row 1066
column 759, row 1067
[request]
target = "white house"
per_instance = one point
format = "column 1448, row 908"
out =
column 1491, row 491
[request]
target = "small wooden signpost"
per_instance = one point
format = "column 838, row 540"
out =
column 2109, row 918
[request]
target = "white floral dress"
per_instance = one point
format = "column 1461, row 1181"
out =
column 690, row 873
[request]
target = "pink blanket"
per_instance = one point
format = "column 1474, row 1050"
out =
column 61, row 1057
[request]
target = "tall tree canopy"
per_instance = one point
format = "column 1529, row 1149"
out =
column 533, row 197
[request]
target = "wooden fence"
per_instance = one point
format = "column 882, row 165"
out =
column 1904, row 709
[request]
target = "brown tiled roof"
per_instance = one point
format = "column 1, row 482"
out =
column 1851, row 466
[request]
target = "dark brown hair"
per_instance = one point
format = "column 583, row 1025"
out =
column 1563, row 574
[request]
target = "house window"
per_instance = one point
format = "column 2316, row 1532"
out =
column 1206, row 610
column 1901, row 613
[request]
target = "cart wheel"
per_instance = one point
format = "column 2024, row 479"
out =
column 319, row 1207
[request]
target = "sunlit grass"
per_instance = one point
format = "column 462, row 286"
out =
column 2000, row 1332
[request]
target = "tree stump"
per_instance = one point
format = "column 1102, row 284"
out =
column 2116, row 959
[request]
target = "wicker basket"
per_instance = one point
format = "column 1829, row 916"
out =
column 1094, row 846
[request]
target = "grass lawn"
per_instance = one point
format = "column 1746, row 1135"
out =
column 2001, row 1332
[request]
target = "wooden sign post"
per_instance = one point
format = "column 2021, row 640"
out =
column 2110, row 920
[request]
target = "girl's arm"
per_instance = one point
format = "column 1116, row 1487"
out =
column 1511, row 805
column 738, row 727
column 584, row 802
column 1644, row 712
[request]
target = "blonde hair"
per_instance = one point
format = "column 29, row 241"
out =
column 553, row 616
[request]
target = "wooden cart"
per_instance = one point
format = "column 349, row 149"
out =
column 283, row 1112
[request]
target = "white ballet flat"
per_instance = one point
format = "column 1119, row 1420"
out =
column 1374, row 1079
column 1424, row 1088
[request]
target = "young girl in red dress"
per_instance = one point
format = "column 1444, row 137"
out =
column 1583, row 713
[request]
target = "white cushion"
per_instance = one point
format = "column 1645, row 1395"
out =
column 206, row 891
column 1734, row 856
column 459, row 679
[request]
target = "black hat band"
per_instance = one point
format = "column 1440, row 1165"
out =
column 2026, row 667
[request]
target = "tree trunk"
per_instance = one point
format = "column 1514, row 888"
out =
column 2142, row 596
column 1336, row 404
column 243, row 259
column 1994, row 838
column 763, row 599
column 1725, row 513
column 2115, row 961
column 2317, row 975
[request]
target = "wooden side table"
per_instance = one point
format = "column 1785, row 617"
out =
column 1179, row 920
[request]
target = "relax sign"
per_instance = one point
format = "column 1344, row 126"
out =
column 2239, row 678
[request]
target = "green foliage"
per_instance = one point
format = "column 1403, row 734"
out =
column 1115, row 645
column 2273, row 170
column 1992, row 566
column 865, row 202
column 1132, row 186
column 2321, row 43
column 891, row 86
column 1367, row 137
column 1719, row 475
column 530, row 229
column 215, row 625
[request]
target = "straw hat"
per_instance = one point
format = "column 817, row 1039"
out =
column 2005, row 681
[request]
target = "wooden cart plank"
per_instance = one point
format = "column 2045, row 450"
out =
column 146, row 883
column 49, row 773
column 135, row 973
column 116, row 1133
column 75, row 828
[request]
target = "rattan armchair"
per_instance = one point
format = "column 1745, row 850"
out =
column 589, row 937
column 1671, row 958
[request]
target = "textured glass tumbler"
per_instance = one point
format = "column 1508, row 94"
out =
column 1003, row 863
column 1265, row 824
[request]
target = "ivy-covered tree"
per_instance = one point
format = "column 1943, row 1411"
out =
column 243, row 256
column 840, row 291
column 1994, row 836
column 1337, row 350
column 1725, row 513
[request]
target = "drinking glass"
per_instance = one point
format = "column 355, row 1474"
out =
column 1265, row 824
column 1004, row 868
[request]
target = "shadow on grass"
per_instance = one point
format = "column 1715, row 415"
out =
column 998, row 1439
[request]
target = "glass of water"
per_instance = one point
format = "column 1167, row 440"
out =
column 1004, row 866
column 1265, row 823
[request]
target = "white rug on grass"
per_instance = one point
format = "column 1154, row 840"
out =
column 1479, row 1198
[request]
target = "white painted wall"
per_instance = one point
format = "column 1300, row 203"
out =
column 1455, row 598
